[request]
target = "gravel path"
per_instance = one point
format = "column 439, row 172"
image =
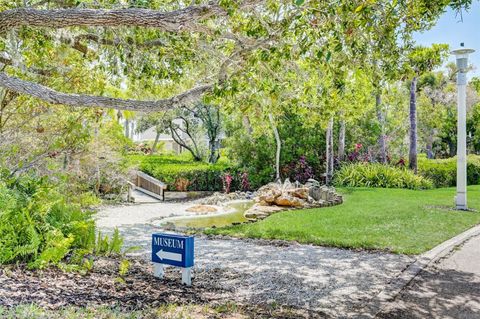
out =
column 333, row 282
column 147, row 213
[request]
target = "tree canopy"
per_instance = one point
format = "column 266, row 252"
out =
column 179, row 51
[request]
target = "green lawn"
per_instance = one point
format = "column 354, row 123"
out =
column 397, row 220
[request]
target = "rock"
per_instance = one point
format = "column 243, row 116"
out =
column 218, row 198
column 287, row 185
column 287, row 200
column 269, row 196
column 256, row 215
column 275, row 197
column 259, row 212
column 201, row 209
column 301, row 192
column 268, row 187
column 263, row 203
column 312, row 183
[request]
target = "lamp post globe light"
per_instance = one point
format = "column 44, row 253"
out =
column 461, row 55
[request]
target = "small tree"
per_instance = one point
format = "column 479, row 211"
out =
column 185, row 129
column 210, row 117
column 148, row 121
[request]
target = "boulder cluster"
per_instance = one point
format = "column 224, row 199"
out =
column 275, row 197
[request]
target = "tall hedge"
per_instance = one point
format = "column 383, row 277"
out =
column 178, row 170
column 443, row 172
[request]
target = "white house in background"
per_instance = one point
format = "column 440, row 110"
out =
column 165, row 141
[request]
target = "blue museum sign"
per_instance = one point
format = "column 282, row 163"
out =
column 172, row 249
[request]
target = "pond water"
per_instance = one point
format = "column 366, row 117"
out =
column 220, row 220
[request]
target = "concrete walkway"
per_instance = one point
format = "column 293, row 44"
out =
column 142, row 198
column 450, row 288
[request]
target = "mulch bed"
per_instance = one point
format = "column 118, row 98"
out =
column 53, row 288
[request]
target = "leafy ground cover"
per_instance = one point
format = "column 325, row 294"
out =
column 396, row 220
column 42, row 226
column 379, row 175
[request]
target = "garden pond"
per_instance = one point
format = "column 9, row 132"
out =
column 233, row 216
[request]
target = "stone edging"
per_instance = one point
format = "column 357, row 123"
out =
column 380, row 301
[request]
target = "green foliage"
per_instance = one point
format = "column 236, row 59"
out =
column 123, row 267
column 443, row 172
column 108, row 246
column 198, row 176
column 255, row 155
column 379, row 175
column 423, row 59
column 40, row 226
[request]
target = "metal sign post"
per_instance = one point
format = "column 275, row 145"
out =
column 174, row 250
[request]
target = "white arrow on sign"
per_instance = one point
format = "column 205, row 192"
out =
column 168, row 255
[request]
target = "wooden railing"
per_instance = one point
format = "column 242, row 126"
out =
column 131, row 187
column 150, row 185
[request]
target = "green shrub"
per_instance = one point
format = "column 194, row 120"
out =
column 40, row 226
column 172, row 170
column 443, row 172
column 379, row 175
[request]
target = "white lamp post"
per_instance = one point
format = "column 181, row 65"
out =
column 462, row 64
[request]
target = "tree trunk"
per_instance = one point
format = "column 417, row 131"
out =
column 119, row 116
column 127, row 128
column 329, row 155
column 279, row 148
column 66, row 161
column 154, row 146
column 178, row 139
column 429, row 146
column 412, row 155
column 97, row 164
column 452, row 147
column 381, row 138
column 247, row 125
column 213, row 156
column 341, row 141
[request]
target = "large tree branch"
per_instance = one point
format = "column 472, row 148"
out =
column 171, row 21
column 48, row 95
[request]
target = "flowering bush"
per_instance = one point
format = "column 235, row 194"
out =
column 245, row 182
column 299, row 170
column 227, row 182
column 355, row 155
